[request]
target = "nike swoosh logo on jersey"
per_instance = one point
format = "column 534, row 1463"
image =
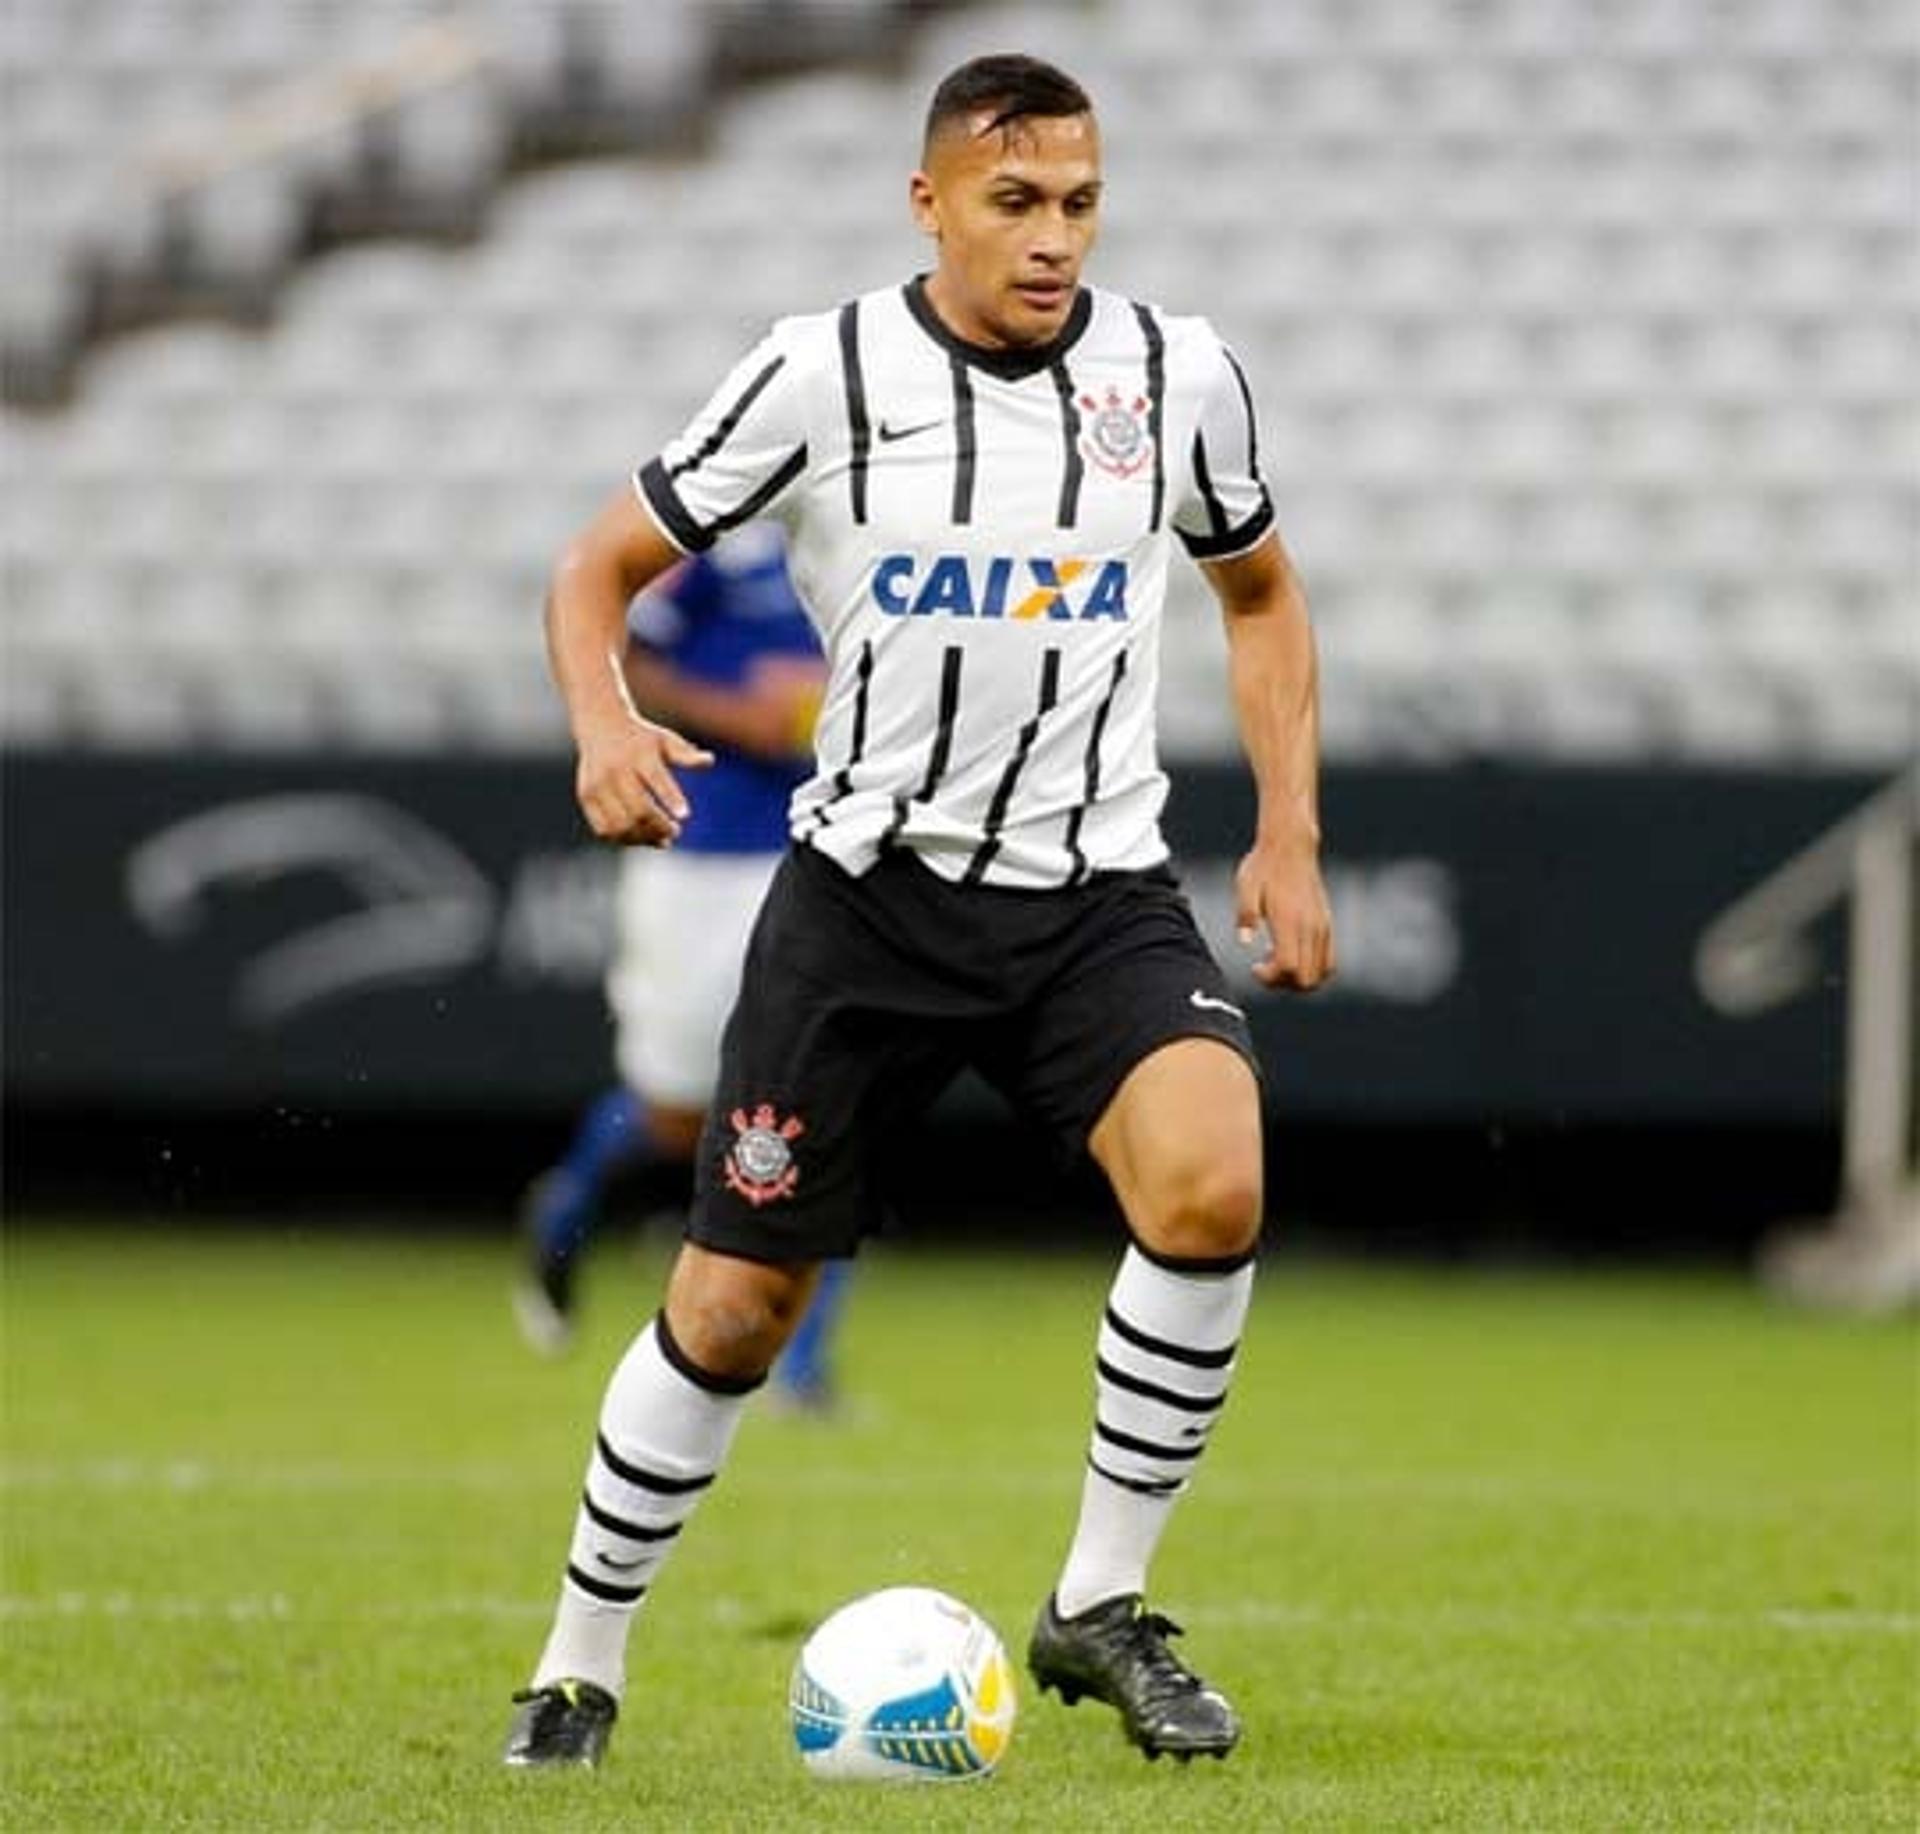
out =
column 1207, row 1003
column 889, row 434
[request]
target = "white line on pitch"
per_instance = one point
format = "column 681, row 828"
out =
column 269, row 1607
column 1486, row 1489
column 278, row 1607
column 1275, row 1615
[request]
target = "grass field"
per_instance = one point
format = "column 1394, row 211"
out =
column 284, row 1513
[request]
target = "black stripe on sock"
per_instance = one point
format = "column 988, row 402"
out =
column 643, row 1479
column 1073, row 466
column 1174, row 1353
column 627, row 1531
column 1092, row 789
column 726, row 424
column 1139, row 1485
column 1152, row 1391
column 1148, row 1448
column 600, row 1589
column 1156, row 406
column 1003, row 794
column 1197, row 1264
column 684, row 1365
column 859, row 431
column 963, row 438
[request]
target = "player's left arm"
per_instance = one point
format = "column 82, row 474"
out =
column 1276, row 697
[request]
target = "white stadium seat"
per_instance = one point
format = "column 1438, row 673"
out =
column 1582, row 338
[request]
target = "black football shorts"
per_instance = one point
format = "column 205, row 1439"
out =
column 861, row 999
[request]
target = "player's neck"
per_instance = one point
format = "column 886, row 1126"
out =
column 968, row 327
column 929, row 299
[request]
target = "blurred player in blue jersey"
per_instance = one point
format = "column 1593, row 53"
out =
column 722, row 649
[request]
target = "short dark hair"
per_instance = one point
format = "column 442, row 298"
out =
column 1012, row 85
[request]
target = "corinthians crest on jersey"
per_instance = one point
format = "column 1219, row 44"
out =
column 983, row 537
column 1117, row 437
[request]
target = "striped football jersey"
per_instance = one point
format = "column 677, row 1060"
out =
column 982, row 537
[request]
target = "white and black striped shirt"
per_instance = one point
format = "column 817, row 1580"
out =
column 982, row 537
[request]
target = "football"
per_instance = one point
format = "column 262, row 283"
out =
column 906, row 1685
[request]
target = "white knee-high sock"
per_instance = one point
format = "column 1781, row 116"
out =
column 665, row 1427
column 1163, row 1365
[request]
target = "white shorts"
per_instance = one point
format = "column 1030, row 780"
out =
column 684, row 920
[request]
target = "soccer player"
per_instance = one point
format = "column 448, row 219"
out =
column 984, row 471
column 722, row 648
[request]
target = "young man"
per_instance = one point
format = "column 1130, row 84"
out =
column 982, row 471
column 721, row 648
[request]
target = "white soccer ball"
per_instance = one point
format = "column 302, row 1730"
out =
column 906, row 1684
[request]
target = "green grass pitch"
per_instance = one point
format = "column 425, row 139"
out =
column 284, row 1512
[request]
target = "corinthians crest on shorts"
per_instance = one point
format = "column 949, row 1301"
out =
column 1115, row 436
column 759, row 1163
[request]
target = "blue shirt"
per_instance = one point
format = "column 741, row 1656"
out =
column 714, row 618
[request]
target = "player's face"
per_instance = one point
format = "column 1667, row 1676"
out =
column 1014, row 210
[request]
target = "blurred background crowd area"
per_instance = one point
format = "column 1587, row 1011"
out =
column 1583, row 335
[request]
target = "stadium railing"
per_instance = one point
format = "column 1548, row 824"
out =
column 1868, row 1253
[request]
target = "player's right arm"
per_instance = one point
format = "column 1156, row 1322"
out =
column 736, row 459
column 625, row 776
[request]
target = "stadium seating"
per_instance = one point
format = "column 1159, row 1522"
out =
column 1584, row 340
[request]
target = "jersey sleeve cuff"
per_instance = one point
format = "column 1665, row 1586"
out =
column 1231, row 542
column 655, row 489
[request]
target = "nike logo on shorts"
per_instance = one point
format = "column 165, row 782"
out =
column 889, row 434
column 1208, row 1004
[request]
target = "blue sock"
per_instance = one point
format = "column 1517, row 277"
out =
column 803, row 1366
column 610, row 1133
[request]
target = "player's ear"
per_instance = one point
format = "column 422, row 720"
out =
column 925, row 206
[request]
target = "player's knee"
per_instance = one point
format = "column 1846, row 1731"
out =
column 1210, row 1209
column 735, row 1326
column 736, row 1337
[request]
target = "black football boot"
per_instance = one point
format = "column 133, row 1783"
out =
column 564, row 1723
column 1117, row 1652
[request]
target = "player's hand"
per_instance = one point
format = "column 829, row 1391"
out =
column 1278, row 887
column 626, row 785
column 778, row 706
